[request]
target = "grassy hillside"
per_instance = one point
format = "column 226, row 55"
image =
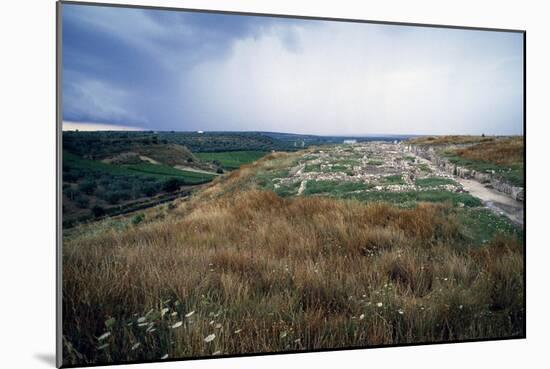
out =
column 91, row 187
column 503, row 156
column 225, row 141
column 240, row 269
column 449, row 140
column 74, row 163
column 101, row 145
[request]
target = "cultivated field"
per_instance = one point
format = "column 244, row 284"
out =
column 231, row 159
column 339, row 246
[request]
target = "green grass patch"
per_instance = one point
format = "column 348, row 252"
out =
column 334, row 188
column 410, row 198
column 481, row 225
column 337, row 168
column 312, row 168
column 434, row 181
column 395, row 179
column 424, row 168
column 512, row 173
column 231, row 159
column 264, row 178
column 71, row 161
column 349, row 160
column 288, row 189
column 162, row 170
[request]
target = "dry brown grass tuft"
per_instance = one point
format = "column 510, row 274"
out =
column 449, row 140
column 265, row 274
column 501, row 152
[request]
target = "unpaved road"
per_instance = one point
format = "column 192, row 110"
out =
column 302, row 187
column 150, row 160
column 189, row 169
column 494, row 200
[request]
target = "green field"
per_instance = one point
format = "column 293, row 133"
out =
column 74, row 162
column 409, row 199
column 480, row 225
column 334, row 188
column 165, row 171
column 92, row 188
column 231, row 159
column 434, row 181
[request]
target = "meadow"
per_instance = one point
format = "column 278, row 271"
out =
column 503, row 156
column 231, row 159
column 238, row 268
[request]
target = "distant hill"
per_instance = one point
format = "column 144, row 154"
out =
column 225, row 141
column 103, row 145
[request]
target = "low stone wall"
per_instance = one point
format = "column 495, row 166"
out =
column 517, row 193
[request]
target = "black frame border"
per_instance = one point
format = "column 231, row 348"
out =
column 59, row 143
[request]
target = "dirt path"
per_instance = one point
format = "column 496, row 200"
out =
column 189, row 169
column 494, row 200
column 150, row 160
column 302, row 187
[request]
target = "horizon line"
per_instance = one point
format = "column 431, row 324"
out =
column 73, row 126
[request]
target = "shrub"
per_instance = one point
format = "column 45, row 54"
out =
column 87, row 186
column 114, row 197
column 148, row 189
column 70, row 192
column 136, row 219
column 82, row 201
column 172, row 184
column 98, row 211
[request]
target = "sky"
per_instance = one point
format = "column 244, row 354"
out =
column 126, row 68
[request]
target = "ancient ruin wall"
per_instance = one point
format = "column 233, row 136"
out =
column 428, row 152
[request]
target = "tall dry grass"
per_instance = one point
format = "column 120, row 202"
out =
column 502, row 152
column 450, row 140
column 255, row 273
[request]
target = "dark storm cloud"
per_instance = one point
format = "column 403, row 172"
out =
column 168, row 70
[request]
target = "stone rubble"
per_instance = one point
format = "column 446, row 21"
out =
column 370, row 163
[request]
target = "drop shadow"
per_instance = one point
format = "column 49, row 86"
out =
column 46, row 358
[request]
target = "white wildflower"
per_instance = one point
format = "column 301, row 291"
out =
column 177, row 324
column 190, row 314
column 210, row 338
column 165, row 356
column 362, row 316
column 379, row 304
column 103, row 336
column 135, row 346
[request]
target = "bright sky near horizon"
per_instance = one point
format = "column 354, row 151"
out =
column 186, row 71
